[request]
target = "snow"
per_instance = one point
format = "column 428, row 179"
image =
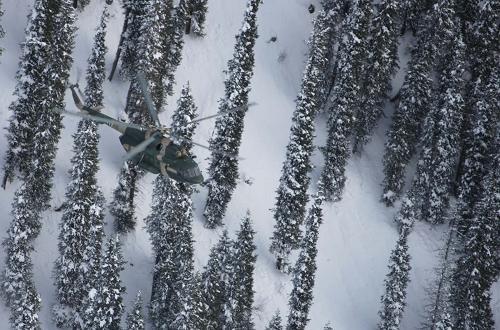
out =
column 357, row 234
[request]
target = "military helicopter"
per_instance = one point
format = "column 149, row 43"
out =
column 151, row 148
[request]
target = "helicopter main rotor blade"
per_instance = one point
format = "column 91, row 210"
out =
column 141, row 146
column 100, row 120
column 227, row 154
column 222, row 113
column 147, row 97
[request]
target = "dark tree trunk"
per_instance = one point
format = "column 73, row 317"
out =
column 119, row 50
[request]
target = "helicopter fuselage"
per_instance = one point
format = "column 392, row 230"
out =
column 163, row 156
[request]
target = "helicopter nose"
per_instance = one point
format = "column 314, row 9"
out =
column 193, row 175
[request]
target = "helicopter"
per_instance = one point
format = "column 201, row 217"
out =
column 151, row 148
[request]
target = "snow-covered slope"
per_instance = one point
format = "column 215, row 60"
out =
column 357, row 234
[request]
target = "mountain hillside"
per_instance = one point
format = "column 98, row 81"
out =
column 357, row 234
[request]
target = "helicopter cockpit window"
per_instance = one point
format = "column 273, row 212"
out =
column 192, row 172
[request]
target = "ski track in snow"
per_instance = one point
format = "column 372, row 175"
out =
column 357, row 234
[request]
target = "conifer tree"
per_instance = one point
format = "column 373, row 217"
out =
column 336, row 11
column 351, row 58
column 103, row 307
column 135, row 318
column 480, row 116
column 413, row 14
column 81, row 235
column 438, row 309
column 135, row 11
column 185, row 113
column 396, row 282
column 169, row 225
column 30, row 88
column 478, row 265
column 48, row 124
column 382, row 64
column 483, row 45
column 2, row 31
column 292, row 191
column 415, row 98
column 122, row 206
column 441, row 141
column 477, row 142
column 276, row 322
column 197, row 303
column 241, row 282
column 226, row 141
column 198, row 13
column 81, row 4
column 170, row 228
column 215, row 281
column 301, row 296
column 18, row 285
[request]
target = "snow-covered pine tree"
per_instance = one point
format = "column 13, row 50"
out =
column 478, row 265
column 480, row 117
column 197, row 302
column 223, row 167
column 438, row 308
column 81, row 4
column 215, row 281
column 441, row 135
column 186, row 112
column 103, row 307
column 301, row 296
column 30, row 90
column 241, row 282
column 396, row 282
column 172, row 43
column 2, row 31
column 468, row 11
column 483, row 48
column 48, row 123
column 276, row 322
column 413, row 13
column 122, row 206
column 478, row 140
column 135, row 318
column 335, row 5
column 169, row 225
column 352, row 57
column 198, row 15
column 292, row 196
column 135, row 12
column 18, row 285
column 415, row 99
column 382, row 64
column 336, row 12
column 403, row 135
column 80, row 239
